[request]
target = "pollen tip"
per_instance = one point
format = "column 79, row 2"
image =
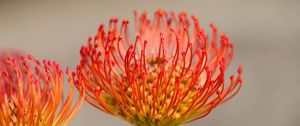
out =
column 125, row 22
column 232, row 77
column 145, row 42
column 68, row 70
column 231, row 45
column 240, row 80
column 212, row 26
column 240, row 69
column 23, row 58
column 137, row 37
column 172, row 30
column 194, row 18
column 90, row 38
column 10, row 61
column 96, row 37
column 31, row 57
column 100, row 27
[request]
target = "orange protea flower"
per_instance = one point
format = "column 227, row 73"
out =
column 171, row 74
column 31, row 93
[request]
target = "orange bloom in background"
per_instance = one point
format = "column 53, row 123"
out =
column 31, row 92
column 171, row 74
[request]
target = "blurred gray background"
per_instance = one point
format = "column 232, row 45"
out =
column 266, row 34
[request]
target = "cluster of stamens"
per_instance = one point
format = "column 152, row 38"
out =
column 31, row 92
column 171, row 74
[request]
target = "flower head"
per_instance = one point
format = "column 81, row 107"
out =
column 169, row 75
column 31, row 92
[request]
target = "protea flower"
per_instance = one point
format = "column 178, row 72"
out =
column 169, row 75
column 31, row 92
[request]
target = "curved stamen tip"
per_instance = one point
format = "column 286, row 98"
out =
column 240, row 69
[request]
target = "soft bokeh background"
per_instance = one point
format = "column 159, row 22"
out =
column 266, row 34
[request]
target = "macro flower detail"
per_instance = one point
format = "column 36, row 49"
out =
column 31, row 92
column 171, row 74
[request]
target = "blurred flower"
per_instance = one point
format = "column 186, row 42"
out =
column 31, row 93
column 171, row 74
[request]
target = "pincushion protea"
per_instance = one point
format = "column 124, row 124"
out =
column 31, row 93
column 171, row 74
